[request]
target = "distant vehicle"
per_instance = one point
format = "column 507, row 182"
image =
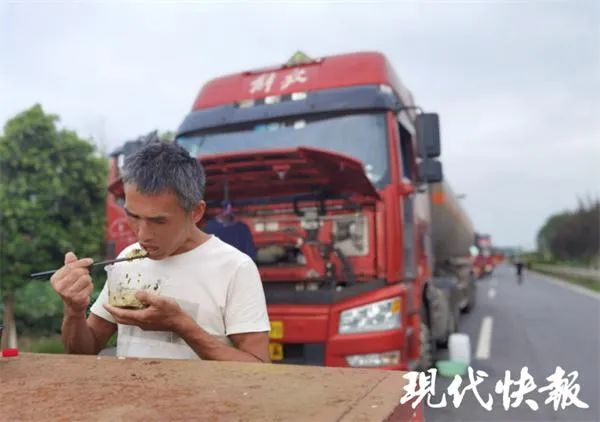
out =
column 329, row 164
column 486, row 259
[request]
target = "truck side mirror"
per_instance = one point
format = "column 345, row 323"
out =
column 428, row 135
column 430, row 171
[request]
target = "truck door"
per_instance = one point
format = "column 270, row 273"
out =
column 407, row 172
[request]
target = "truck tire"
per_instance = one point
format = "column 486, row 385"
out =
column 470, row 305
column 426, row 345
column 453, row 323
column 451, row 303
column 472, row 298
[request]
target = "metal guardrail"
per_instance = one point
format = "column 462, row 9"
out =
column 590, row 273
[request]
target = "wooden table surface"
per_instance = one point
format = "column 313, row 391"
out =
column 66, row 387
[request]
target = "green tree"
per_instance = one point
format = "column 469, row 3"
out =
column 52, row 192
column 550, row 231
column 572, row 235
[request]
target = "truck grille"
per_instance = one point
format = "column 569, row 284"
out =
column 303, row 354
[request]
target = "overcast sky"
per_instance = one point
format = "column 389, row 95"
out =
column 517, row 84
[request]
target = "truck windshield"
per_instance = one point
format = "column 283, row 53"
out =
column 361, row 136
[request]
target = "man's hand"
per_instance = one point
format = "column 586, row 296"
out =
column 73, row 283
column 162, row 314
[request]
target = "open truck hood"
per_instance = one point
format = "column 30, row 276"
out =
column 280, row 173
column 284, row 172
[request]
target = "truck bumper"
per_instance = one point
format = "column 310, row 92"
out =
column 305, row 340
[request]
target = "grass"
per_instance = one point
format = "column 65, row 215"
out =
column 51, row 344
column 587, row 282
column 112, row 341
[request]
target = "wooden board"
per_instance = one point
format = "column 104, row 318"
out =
column 64, row 387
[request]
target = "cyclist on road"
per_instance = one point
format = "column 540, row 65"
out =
column 519, row 264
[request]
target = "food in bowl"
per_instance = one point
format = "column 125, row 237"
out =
column 125, row 279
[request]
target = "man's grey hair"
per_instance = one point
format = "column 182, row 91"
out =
column 160, row 167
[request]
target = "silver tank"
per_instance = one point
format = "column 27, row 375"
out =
column 452, row 229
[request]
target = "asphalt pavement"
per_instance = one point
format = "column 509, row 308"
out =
column 541, row 323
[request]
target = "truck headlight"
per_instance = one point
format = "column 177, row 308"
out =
column 374, row 359
column 377, row 316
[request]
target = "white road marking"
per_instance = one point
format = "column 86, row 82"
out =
column 485, row 338
column 492, row 293
column 566, row 285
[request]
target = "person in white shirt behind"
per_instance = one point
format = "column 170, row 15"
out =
column 213, row 306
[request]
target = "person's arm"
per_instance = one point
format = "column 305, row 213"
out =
column 85, row 337
column 246, row 320
column 74, row 285
column 164, row 314
column 249, row 347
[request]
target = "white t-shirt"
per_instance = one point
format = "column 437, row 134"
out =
column 214, row 283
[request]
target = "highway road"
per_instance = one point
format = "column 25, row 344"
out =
column 542, row 323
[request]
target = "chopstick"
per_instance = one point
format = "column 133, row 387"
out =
column 46, row 274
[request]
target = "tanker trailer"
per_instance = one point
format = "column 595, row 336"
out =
column 452, row 237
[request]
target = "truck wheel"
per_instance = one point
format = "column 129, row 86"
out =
column 427, row 348
column 472, row 298
column 453, row 323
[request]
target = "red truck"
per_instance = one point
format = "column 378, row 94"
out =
column 486, row 259
column 328, row 162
